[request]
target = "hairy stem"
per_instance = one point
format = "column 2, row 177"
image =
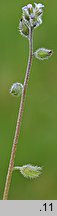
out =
column 17, row 131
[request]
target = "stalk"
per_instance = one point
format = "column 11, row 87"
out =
column 19, row 119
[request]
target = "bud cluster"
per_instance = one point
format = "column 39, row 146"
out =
column 31, row 16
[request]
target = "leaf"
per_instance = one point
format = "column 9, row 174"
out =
column 29, row 171
column 43, row 53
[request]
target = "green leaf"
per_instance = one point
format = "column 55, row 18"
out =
column 43, row 53
column 29, row 171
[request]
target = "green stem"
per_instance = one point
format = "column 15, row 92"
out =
column 19, row 119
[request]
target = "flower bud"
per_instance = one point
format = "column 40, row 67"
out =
column 43, row 53
column 36, row 21
column 24, row 30
column 27, row 10
column 30, row 8
column 16, row 89
column 37, row 15
column 38, row 9
column 29, row 171
column 39, row 5
column 26, row 16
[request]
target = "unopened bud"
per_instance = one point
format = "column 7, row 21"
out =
column 43, row 53
column 16, row 89
column 38, row 9
column 26, row 16
column 36, row 21
column 39, row 5
column 30, row 8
